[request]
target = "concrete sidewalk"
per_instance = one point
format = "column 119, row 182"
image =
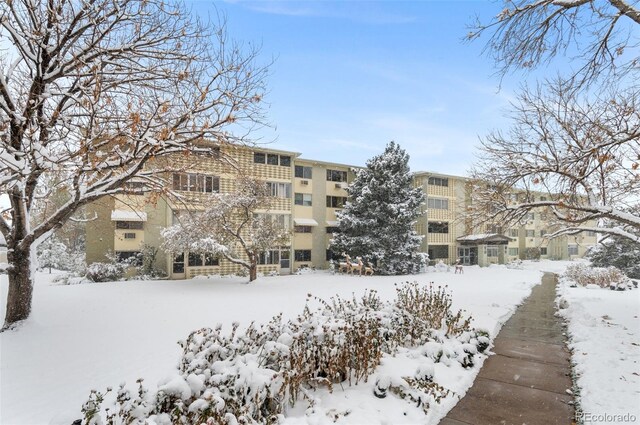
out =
column 525, row 381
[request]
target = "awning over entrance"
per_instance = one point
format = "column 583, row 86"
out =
column 125, row 215
column 484, row 239
column 305, row 222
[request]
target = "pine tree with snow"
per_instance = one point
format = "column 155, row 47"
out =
column 377, row 221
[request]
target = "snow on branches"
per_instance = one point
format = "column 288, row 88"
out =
column 95, row 93
column 235, row 226
column 377, row 221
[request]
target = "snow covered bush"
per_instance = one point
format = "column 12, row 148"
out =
column 583, row 275
column 250, row 376
column 105, row 272
column 54, row 254
column 619, row 252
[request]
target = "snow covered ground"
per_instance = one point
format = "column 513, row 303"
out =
column 98, row 335
column 605, row 337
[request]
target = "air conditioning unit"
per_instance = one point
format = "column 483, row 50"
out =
column 338, row 185
column 304, row 182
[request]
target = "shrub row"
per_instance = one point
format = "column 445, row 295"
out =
column 250, row 376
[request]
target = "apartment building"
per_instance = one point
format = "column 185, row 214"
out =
column 306, row 194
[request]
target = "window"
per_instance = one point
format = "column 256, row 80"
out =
column 492, row 251
column 543, row 198
column 513, row 252
column 134, row 186
column 332, row 229
column 302, row 229
column 285, row 161
column 131, row 257
column 195, row 260
column 272, row 159
column 303, row 199
column 130, row 225
column 543, row 251
column 336, row 176
column 196, row 183
column 336, row 201
column 438, row 251
column 303, row 172
column 438, row 181
column 494, row 228
column 281, row 219
column 130, row 235
column 591, row 233
column 259, row 157
column 269, row 257
column 573, row 249
column 178, row 263
column 513, row 233
column 531, row 233
column 209, row 151
column 543, row 232
column 211, row 260
column 531, row 216
column 438, row 227
column 438, row 203
column 279, row 190
column 302, row 255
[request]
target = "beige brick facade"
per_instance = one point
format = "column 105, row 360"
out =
column 309, row 194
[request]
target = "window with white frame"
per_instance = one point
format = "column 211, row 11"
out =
column 438, row 203
column 279, row 190
column 513, row 252
column 303, row 199
column 513, row 233
column 189, row 182
column 573, row 249
column 531, row 233
column 543, row 250
column 438, row 181
column 492, row 250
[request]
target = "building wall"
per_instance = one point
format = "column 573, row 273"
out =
column 102, row 236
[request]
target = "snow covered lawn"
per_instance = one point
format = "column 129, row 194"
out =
column 98, row 335
column 605, row 337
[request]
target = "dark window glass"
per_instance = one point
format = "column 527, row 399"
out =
column 336, row 176
column 130, row 225
column 130, row 257
column 259, row 157
column 272, row 159
column 438, row 227
column 303, row 172
column 302, row 229
column 302, row 255
column 331, row 229
column 178, row 263
column 211, row 260
column 285, row 161
column 438, row 252
column 195, row 260
column 336, row 201
column 438, row 181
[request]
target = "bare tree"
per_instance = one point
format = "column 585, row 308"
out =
column 235, row 226
column 575, row 157
column 601, row 35
column 96, row 91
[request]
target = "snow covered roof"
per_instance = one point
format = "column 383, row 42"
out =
column 484, row 238
column 124, row 215
column 305, row 222
column 331, row 223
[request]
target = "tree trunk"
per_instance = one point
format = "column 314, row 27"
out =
column 20, row 285
column 253, row 270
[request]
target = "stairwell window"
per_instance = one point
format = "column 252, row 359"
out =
column 279, row 190
column 196, row 183
column 438, row 203
column 438, row 227
column 438, row 181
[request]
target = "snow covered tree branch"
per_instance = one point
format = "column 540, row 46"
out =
column 576, row 158
column 235, row 226
column 97, row 92
column 602, row 35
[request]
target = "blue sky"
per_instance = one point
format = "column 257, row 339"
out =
column 349, row 76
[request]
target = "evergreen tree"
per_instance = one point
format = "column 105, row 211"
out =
column 619, row 252
column 377, row 221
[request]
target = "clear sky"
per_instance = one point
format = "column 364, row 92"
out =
column 349, row 76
